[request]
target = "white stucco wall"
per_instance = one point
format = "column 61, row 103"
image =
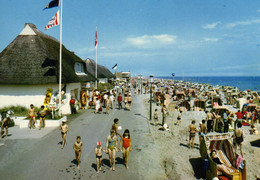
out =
column 33, row 94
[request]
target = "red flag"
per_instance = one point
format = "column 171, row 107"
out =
column 53, row 22
column 96, row 39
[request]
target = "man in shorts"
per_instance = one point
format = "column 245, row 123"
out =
column 64, row 129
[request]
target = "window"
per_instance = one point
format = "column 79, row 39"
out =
column 79, row 67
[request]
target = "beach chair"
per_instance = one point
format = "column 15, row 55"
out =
column 225, row 152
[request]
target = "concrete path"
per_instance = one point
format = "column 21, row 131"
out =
column 43, row 158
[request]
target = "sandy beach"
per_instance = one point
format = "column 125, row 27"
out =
column 180, row 162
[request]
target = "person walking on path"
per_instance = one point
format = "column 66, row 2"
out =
column 78, row 147
column 111, row 148
column 119, row 100
column 42, row 114
column 72, row 105
column 31, row 113
column 126, row 146
column 115, row 127
column 97, row 105
column 192, row 131
column 98, row 152
column 238, row 138
column 64, row 129
column 4, row 125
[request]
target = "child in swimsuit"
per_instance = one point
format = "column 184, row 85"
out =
column 126, row 146
column 4, row 125
column 98, row 152
column 64, row 129
column 42, row 114
column 155, row 116
column 31, row 114
column 78, row 146
column 111, row 148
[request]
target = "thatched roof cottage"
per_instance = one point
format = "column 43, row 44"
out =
column 103, row 74
column 29, row 66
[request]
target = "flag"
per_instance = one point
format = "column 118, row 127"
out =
column 173, row 74
column 53, row 22
column 114, row 67
column 53, row 3
column 96, row 39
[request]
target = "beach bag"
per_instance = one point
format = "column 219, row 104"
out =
column 206, row 164
column 100, row 109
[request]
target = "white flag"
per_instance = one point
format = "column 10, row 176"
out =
column 53, row 22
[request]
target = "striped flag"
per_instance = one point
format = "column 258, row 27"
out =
column 96, row 39
column 53, row 3
column 53, row 22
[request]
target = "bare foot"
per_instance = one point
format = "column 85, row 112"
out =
column 97, row 171
column 111, row 168
column 78, row 167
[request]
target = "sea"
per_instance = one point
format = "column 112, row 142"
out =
column 242, row 83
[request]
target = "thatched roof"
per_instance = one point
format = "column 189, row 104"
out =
column 102, row 71
column 33, row 58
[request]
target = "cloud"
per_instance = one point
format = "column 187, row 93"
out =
column 210, row 26
column 243, row 23
column 153, row 41
column 210, row 40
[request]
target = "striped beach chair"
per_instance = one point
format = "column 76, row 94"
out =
column 225, row 153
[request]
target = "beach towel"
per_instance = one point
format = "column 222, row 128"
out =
column 239, row 161
column 245, row 124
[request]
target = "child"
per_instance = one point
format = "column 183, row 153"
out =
column 155, row 117
column 111, row 148
column 64, row 129
column 31, row 114
column 78, row 146
column 98, row 152
column 126, row 146
column 253, row 130
column 42, row 114
column 179, row 118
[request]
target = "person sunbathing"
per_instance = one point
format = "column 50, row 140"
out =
column 221, row 167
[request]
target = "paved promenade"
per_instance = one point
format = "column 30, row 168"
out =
column 34, row 154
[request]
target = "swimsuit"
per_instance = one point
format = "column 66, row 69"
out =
column 192, row 134
column 99, row 157
column 111, row 143
column 63, row 133
column 216, row 160
column 126, row 143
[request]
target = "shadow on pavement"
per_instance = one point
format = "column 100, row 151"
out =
column 74, row 161
column 138, row 114
column 94, row 166
column 106, row 162
column 197, row 165
column 119, row 160
column 255, row 143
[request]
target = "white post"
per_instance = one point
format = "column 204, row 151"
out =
column 96, row 63
column 60, row 59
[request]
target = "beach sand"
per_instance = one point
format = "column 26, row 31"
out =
column 180, row 162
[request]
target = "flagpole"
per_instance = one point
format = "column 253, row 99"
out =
column 61, row 1
column 96, row 62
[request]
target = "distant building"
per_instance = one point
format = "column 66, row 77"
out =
column 29, row 69
column 123, row 75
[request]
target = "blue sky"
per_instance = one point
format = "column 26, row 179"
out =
column 194, row 38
